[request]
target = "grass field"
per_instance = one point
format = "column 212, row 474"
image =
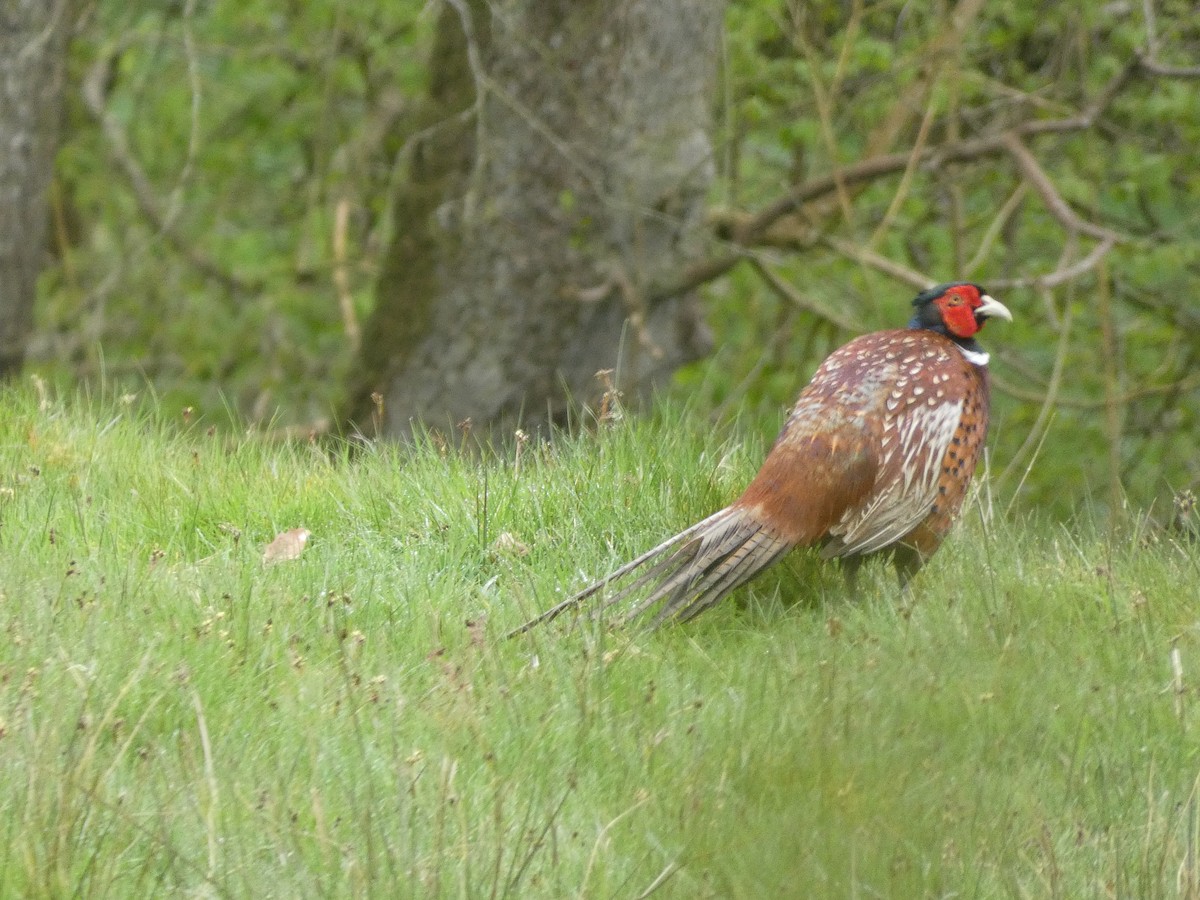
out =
column 178, row 718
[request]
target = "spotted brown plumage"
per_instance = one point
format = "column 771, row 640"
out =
column 875, row 457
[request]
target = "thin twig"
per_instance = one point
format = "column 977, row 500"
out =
column 906, row 178
column 1040, row 425
column 1058, row 276
column 341, row 275
column 824, row 105
column 143, row 191
column 1055, row 204
column 995, row 227
column 1154, row 67
column 482, row 84
column 35, row 46
column 866, row 257
column 1114, row 410
column 1151, row 27
column 796, row 299
column 1148, row 61
column 175, row 202
column 751, row 228
column 1183, row 385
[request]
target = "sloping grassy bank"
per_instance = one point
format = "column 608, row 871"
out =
column 177, row 717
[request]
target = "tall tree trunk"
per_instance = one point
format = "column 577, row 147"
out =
column 33, row 47
column 559, row 175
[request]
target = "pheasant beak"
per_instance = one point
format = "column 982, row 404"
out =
column 989, row 307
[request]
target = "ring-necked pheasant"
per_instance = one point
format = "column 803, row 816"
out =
column 876, row 456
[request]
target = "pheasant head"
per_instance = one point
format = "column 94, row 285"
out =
column 957, row 310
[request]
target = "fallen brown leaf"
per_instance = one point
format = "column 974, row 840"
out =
column 507, row 542
column 477, row 631
column 287, row 545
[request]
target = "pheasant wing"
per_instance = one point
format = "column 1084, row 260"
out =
column 922, row 455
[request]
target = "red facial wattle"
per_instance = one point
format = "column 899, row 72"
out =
column 958, row 307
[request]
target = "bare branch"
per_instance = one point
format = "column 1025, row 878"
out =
column 866, row 170
column 1001, row 384
column 478, row 75
column 754, row 226
column 1059, row 276
column 995, row 227
column 823, row 102
column 341, row 276
column 34, row 47
column 954, row 151
column 867, row 257
column 910, row 170
column 751, row 229
column 1040, row 182
column 1154, row 67
column 1149, row 59
column 698, row 274
column 1087, row 117
column 143, row 191
column 635, row 311
column 1042, row 422
column 1151, row 27
column 175, row 204
column 789, row 294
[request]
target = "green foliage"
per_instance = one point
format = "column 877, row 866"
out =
column 254, row 121
column 814, row 87
column 176, row 717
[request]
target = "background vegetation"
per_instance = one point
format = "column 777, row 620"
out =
column 223, row 188
column 177, row 716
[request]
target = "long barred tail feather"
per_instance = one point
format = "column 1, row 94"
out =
column 757, row 550
column 687, row 573
column 575, row 600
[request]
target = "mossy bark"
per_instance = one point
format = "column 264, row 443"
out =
column 559, row 177
column 33, row 48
